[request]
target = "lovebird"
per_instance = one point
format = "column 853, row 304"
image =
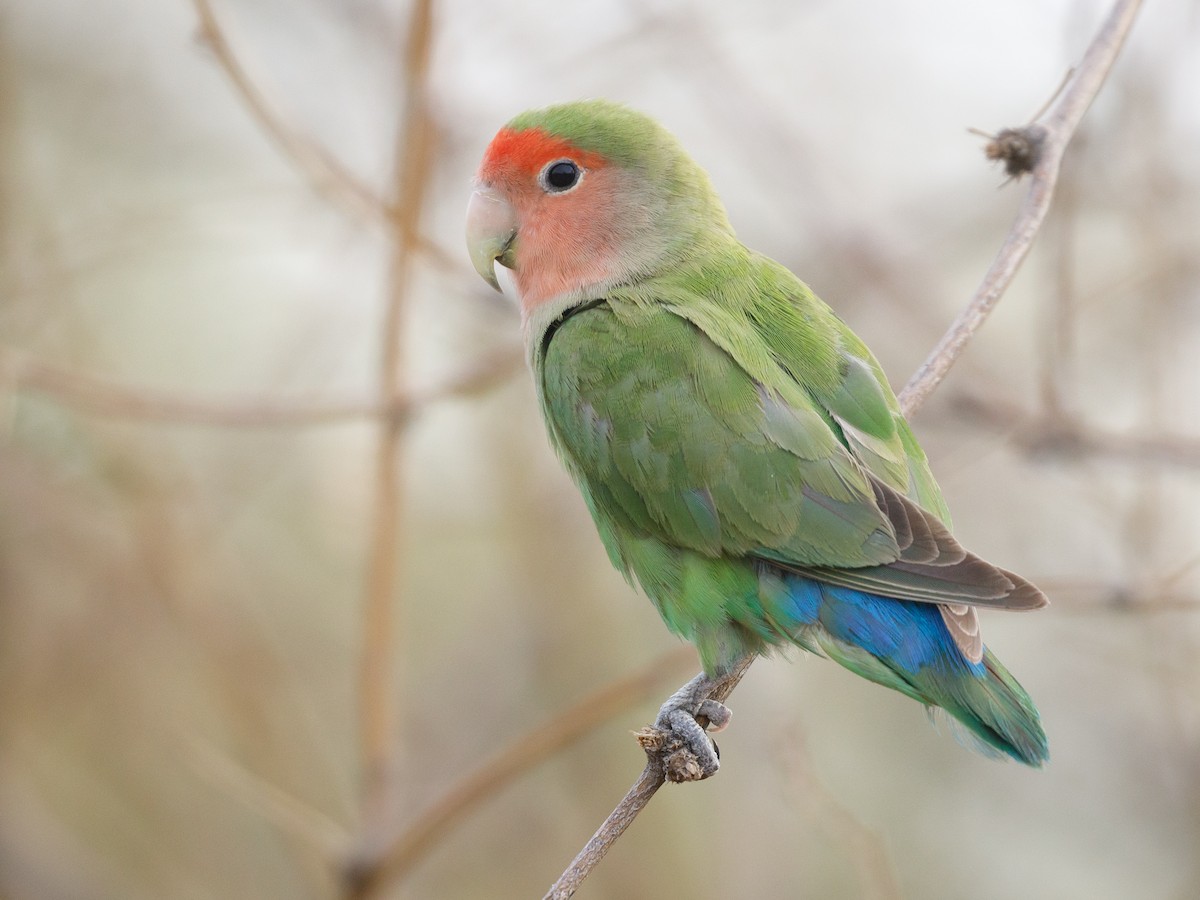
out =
column 743, row 456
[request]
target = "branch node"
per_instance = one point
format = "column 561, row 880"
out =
column 670, row 755
column 356, row 875
column 1020, row 149
column 650, row 739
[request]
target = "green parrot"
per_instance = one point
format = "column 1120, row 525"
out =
column 739, row 448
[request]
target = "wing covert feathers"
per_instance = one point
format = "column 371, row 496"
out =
column 933, row 567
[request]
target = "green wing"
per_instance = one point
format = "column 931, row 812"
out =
column 715, row 446
column 673, row 439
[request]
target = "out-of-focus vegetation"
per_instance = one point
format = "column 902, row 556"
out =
column 191, row 310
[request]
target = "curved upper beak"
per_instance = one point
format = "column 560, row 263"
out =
column 491, row 227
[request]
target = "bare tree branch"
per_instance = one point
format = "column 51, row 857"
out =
column 1049, row 139
column 372, row 868
column 876, row 874
column 328, row 175
column 292, row 816
column 1081, row 597
column 100, row 397
column 1052, row 435
column 653, row 776
column 1056, row 339
column 378, row 710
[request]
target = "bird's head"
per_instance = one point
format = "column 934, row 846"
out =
column 579, row 198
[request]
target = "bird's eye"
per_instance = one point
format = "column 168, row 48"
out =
column 560, row 176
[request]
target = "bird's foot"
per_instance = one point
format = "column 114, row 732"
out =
column 678, row 737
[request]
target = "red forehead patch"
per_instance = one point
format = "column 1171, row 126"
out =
column 529, row 150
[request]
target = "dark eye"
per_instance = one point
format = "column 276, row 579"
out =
column 561, row 176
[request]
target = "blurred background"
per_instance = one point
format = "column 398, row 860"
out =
column 229, row 227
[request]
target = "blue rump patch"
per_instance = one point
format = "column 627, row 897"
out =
column 906, row 634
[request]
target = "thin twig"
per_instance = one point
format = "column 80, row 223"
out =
column 637, row 799
column 877, row 875
column 291, row 815
column 1051, row 134
column 327, row 175
column 1116, row 598
column 1050, row 435
column 1057, row 336
column 378, row 710
column 374, row 868
column 652, row 778
column 95, row 396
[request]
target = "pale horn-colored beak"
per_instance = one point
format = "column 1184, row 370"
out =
column 491, row 227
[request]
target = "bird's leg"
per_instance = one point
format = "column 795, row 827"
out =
column 678, row 736
column 679, row 717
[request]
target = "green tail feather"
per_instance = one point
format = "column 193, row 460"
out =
column 991, row 714
column 997, row 717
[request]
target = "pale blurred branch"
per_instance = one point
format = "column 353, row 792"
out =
column 877, row 875
column 412, row 165
column 1057, row 337
column 1118, row 599
column 291, row 815
column 328, row 176
column 372, row 869
column 1053, row 435
column 95, row 396
column 1049, row 137
column 1047, row 140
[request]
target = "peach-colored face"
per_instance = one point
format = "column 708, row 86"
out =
column 566, row 239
